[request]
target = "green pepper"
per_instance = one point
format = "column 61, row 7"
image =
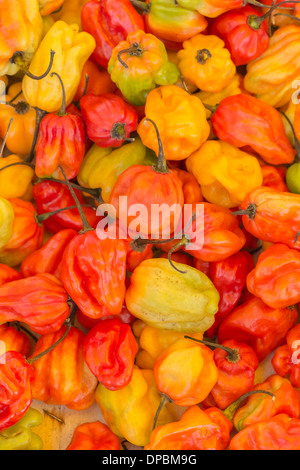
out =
column 101, row 167
column 293, row 178
column 20, row 436
column 140, row 64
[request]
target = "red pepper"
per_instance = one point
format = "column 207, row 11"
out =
column 229, row 277
column 95, row 80
column 8, row 274
column 243, row 120
column 48, row 258
column 88, row 323
column 39, row 301
column 286, row 361
column 51, row 196
column 109, row 351
column 274, row 177
column 109, row 22
column 94, row 436
column 109, row 120
column 61, row 141
column 245, row 35
column 261, row 327
column 16, row 377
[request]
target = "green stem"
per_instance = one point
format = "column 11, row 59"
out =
column 250, row 211
column 145, row 7
column 231, row 410
column 233, row 354
column 96, row 193
column 40, row 114
column 164, row 400
column 18, row 60
column 42, row 217
column 62, row 111
column 133, row 50
column 161, row 166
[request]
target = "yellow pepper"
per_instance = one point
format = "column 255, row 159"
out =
column 130, row 412
column 48, row 22
column 50, row 6
column 72, row 49
column 21, row 29
column 272, row 75
column 225, row 173
column 205, row 62
column 101, row 167
column 164, row 298
column 71, row 12
column 181, row 121
column 20, row 435
column 16, row 181
column 7, row 217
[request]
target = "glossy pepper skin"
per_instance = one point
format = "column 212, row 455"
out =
column 21, row 31
column 229, row 276
column 20, row 436
column 275, row 277
column 93, row 436
column 205, row 62
column 244, row 35
column 271, row 76
column 27, row 234
column 15, row 181
column 8, row 274
column 101, row 167
column 186, row 372
column 93, row 273
column 226, row 174
column 12, row 339
column 16, row 377
column 256, row 124
column 214, row 8
column 153, row 297
column 261, row 327
column 272, row 216
column 278, row 433
column 50, row 196
column 21, row 132
column 171, row 107
column 286, row 358
column 61, row 376
column 109, row 22
column 48, row 258
column 109, row 120
column 7, row 217
column 109, row 351
column 274, row 177
column 61, row 141
column 46, row 307
column 196, row 430
column 139, row 64
column 130, row 412
column 99, row 81
column 261, row 407
column 70, row 46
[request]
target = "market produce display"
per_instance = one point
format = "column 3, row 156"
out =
column 150, row 224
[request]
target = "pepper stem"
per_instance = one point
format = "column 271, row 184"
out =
column 161, row 166
column 297, row 143
column 133, row 50
column 145, row 7
column 62, row 111
column 230, row 411
column 250, row 211
column 184, row 241
column 233, row 354
column 164, row 400
column 15, row 97
column 96, row 193
column 5, row 138
column 40, row 114
column 42, row 217
column 31, row 165
column 203, row 56
column 18, row 59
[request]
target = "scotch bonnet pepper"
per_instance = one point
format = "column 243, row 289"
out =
column 286, row 358
column 93, row 436
column 7, row 217
column 15, row 180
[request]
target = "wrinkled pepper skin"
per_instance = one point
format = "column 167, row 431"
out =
column 206, row 62
column 20, row 435
column 7, row 217
column 275, row 278
column 271, row 76
column 278, row 433
column 259, row 326
column 109, row 22
column 261, row 407
column 70, row 47
column 61, row 376
column 109, row 120
column 27, row 234
column 130, row 412
column 48, row 258
column 244, row 36
column 109, row 351
column 256, row 124
column 101, row 167
column 93, row 273
column 186, row 372
column 272, row 216
column 226, row 174
column 8, row 274
column 21, row 31
column 286, row 358
column 16, row 377
column 50, row 196
column 12, row 339
column 16, row 181
column 196, row 430
column 229, row 276
column 153, row 297
column 93, row 436
column 144, row 65
column 171, row 107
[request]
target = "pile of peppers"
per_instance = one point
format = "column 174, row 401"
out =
column 180, row 344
